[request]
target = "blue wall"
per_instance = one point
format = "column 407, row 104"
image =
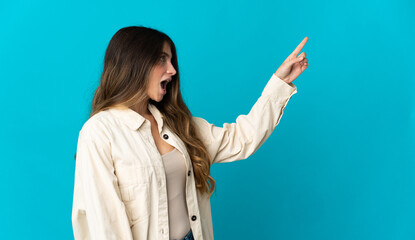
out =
column 340, row 165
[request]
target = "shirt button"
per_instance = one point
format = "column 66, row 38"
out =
column 165, row 136
column 188, row 173
column 193, row 218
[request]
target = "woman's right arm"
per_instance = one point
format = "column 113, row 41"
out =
column 98, row 211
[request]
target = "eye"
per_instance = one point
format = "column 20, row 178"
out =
column 163, row 58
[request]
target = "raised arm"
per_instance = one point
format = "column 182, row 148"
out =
column 239, row 140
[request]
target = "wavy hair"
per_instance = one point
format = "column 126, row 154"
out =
column 129, row 58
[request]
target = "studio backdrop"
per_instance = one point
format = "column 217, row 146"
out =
column 340, row 164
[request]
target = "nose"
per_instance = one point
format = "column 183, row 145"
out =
column 171, row 69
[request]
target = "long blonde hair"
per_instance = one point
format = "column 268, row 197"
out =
column 131, row 54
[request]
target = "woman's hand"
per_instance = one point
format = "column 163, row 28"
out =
column 294, row 65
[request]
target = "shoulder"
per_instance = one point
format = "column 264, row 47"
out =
column 97, row 127
column 204, row 129
column 201, row 124
column 199, row 120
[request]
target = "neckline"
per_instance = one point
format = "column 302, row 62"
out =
column 168, row 152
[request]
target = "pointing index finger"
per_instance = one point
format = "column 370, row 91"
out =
column 299, row 47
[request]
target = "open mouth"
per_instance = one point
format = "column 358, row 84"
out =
column 163, row 86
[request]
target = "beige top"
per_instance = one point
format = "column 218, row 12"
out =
column 175, row 168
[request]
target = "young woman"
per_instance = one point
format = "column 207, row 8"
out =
column 143, row 161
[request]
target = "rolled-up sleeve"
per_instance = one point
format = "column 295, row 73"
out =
column 239, row 140
column 98, row 212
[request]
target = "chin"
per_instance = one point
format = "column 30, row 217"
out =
column 159, row 99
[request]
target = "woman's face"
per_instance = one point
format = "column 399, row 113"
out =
column 163, row 70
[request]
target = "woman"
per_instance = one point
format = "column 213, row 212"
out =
column 143, row 161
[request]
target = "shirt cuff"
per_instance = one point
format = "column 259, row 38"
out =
column 278, row 88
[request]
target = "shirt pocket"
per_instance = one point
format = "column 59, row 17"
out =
column 136, row 201
column 130, row 175
column 134, row 188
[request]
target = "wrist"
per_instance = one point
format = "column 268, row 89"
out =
column 283, row 79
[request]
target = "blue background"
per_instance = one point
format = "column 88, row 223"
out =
column 340, row 165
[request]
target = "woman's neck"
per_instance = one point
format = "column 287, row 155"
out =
column 142, row 109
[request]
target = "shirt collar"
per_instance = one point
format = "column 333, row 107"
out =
column 133, row 119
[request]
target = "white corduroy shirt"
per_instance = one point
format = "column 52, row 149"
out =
column 120, row 182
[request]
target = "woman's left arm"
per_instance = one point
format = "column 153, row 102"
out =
column 239, row 140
